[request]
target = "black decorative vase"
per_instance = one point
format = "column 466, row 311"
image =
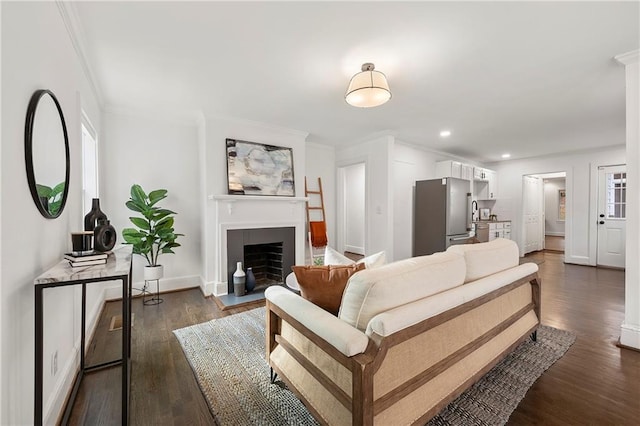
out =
column 250, row 283
column 104, row 236
column 94, row 216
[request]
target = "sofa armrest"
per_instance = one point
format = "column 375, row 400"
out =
column 337, row 333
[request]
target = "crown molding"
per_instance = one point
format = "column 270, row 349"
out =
column 319, row 145
column 259, row 124
column 185, row 117
column 628, row 58
column 76, row 34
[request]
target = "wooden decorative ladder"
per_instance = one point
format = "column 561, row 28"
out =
column 317, row 228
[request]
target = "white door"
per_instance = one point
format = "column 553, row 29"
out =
column 352, row 215
column 612, row 188
column 532, row 214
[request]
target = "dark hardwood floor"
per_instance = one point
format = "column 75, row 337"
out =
column 595, row 383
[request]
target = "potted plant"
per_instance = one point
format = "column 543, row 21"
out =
column 154, row 234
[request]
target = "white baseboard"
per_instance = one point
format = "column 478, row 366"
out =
column 54, row 408
column 166, row 284
column 577, row 260
column 554, row 234
column 630, row 336
column 219, row 288
column 354, row 249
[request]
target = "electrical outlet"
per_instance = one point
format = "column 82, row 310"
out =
column 54, row 363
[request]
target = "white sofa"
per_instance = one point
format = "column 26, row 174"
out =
column 410, row 335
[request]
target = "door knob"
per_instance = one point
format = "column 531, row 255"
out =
column 601, row 222
column 601, row 215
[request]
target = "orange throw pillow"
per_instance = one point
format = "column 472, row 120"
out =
column 324, row 285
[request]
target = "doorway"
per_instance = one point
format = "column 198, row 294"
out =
column 532, row 213
column 352, row 208
column 544, row 211
column 612, row 197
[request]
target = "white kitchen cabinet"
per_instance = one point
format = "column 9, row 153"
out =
column 485, row 184
column 455, row 169
column 499, row 230
column 466, row 172
column 478, row 173
column 449, row 169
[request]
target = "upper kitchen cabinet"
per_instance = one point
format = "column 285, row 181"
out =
column 454, row 169
column 485, row 184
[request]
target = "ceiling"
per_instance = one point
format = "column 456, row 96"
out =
column 529, row 79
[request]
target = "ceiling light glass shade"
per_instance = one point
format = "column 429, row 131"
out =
column 368, row 88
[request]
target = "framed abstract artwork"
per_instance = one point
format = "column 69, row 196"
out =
column 259, row 169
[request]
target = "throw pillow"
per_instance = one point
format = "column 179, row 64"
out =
column 332, row 257
column 324, row 285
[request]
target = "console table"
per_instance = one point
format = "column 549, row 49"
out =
column 118, row 267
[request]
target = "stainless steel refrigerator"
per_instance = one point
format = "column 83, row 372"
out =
column 441, row 215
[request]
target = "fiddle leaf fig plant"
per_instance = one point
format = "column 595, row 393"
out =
column 154, row 233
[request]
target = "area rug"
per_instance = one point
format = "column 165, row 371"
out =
column 227, row 356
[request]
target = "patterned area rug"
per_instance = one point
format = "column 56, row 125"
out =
column 228, row 359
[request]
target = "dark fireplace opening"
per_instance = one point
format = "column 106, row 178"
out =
column 265, row 260
column 269, row 252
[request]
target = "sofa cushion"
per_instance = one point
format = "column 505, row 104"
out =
column 376, row 290
column 333, row 257
column 324, row 285
column 397, row 319
column 484, row 259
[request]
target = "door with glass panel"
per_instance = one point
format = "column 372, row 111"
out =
column 612, row 191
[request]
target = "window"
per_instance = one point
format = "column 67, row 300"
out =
column 89, row 164
column 616, row 195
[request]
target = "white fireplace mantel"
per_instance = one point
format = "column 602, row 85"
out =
column 250, row 212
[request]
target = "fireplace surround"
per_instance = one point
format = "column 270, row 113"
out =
column 245, row 212
column 270, row 252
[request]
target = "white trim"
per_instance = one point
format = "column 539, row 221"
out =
column 76, row 35
column 577, row 260
column 256, row 198
column 628, row 58
column 630, row 335
column 265, row 126
column 554, row 234
column 54, row 407
column 166, row 284
column 151, row 113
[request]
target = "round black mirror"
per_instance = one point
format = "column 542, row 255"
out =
column 46, row 153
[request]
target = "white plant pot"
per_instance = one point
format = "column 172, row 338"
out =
column 153, row 272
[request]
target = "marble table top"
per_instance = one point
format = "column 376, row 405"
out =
column 118, row 264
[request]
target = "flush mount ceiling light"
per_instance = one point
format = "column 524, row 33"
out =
column 445, row 133
column 368, row 88
column 506, row 155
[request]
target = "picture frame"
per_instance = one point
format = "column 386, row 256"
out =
column 485, row 214
column 562, row 205
column 259, row 169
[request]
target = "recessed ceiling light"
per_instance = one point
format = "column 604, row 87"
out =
column 506, row 155
column 445, row 133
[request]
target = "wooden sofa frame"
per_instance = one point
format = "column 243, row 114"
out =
column 363, row 366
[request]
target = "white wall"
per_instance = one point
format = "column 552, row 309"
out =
column 37, row 53
column 155, row 152
column 553, row 225
column 377, row 156
column 321, row 163
column 581, row 182
column 217, row 130
column 630, row 329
